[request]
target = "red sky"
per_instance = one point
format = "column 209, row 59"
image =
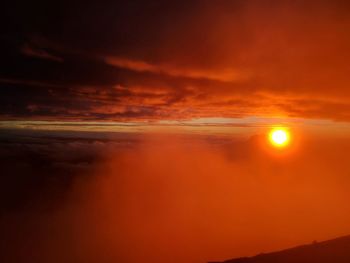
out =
column 136, row 131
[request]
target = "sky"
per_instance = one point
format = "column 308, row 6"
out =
column 156, row 60
column 137, row 131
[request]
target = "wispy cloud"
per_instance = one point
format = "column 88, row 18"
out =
column 37, row 52
column 225, row 75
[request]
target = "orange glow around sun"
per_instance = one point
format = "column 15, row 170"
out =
column 279, row 137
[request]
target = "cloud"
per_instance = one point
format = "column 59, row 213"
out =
column 227, row 75
column 37, row 52
column 154, row 200
column 161, row 101
column 21, row 82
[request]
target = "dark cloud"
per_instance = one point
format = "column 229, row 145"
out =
column 36, row 164
column 37, row 52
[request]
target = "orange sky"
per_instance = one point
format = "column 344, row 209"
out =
column 180, row 61
column 137, row 131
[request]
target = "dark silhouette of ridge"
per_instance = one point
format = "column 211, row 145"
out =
column 331, row 251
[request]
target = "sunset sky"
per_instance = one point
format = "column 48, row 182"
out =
column 174, row 60
column 138, row 131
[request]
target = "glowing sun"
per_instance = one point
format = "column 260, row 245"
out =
column 279, row 137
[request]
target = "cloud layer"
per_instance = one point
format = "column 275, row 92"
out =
column 166, row 199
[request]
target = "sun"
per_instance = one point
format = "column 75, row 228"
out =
column 279, row 137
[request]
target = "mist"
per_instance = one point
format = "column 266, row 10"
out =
column 174, row 199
